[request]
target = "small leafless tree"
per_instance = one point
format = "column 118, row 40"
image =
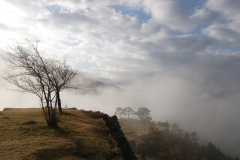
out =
column 44, row 77
column 60, row 76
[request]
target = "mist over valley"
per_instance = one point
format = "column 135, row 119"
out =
column 180, row 59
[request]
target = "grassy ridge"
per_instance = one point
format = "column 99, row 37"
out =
column 19, row 140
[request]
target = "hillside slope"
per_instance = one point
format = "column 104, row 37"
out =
column 92, row 86
column 21, row 138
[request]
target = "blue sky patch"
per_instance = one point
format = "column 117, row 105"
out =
column 54, row 8
column 230, row 49
column 72, row 43
column 198, row 30
column 191, row 5
column 138, row 13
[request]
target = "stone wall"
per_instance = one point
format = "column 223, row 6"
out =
column 118, row 135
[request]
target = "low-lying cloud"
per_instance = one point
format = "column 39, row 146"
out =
column 180, row 59
column 173, row 99
column 170, row 98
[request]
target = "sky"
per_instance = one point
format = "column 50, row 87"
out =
column 179, row 58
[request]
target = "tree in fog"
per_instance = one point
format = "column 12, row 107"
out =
column 194, row 137
column 127, row 111
column 144, row 116
column 60, row 77
column 119, row 111
column 44, row 77
column 166, row 124
column 175, row 129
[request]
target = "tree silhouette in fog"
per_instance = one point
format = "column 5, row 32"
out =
column 119, row 111
column 144, row 116
column 127, row 111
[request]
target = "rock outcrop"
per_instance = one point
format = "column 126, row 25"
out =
column 118, row 135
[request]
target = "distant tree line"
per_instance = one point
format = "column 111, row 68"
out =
column 174, row 143
column 143, row 114
column 179, row 144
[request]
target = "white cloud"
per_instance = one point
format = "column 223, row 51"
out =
column 173, row 49
column 229, row 8
column 228, row 27
column 169, row 13
column 204, row 16
column 223, row 32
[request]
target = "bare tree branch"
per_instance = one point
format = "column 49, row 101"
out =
column 44, row 77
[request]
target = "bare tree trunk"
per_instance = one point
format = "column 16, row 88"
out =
column 144, row 126
column 59, row 102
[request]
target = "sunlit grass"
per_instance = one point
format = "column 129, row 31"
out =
column 37, row 141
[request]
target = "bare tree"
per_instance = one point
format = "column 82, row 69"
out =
column 60, row 76
column 44, row 77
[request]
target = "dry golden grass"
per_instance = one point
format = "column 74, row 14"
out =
column 19, row 141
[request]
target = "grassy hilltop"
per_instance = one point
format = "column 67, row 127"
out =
column 24, row 135
column 20, row 138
